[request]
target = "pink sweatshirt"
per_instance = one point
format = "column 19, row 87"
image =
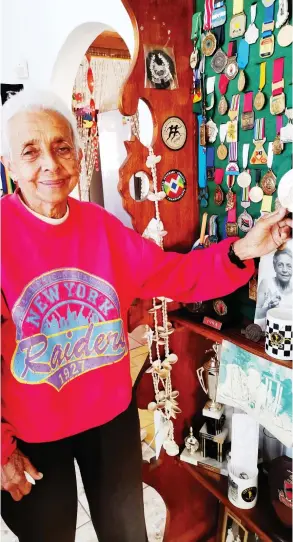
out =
column 67, row 288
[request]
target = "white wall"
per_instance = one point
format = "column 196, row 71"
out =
column 53, row 35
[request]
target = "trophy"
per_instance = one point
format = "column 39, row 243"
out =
column 208, row 376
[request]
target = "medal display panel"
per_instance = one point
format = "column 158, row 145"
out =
column 251, row 72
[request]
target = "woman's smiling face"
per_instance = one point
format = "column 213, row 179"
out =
column 43, row 158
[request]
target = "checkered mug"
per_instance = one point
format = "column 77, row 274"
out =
column 279, row 334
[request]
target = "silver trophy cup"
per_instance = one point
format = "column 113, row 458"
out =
column 208, row 376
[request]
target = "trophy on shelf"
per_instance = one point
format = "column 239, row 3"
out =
column 212, row 434
column 208, row 376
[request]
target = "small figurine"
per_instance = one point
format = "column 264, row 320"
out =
column 191, row 443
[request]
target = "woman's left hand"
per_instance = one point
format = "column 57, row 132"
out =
column 270, row 232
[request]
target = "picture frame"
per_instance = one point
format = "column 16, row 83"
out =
column 232, row 529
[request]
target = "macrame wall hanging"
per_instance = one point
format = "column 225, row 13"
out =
column 161, row 367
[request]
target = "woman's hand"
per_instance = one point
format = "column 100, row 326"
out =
column 13, row 478
column 269, row 233
column 274, row 302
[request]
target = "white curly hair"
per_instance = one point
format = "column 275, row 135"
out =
column 34, row 100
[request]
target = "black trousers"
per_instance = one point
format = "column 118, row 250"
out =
column 109, row 458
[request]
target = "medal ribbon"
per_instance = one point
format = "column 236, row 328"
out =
column 232, row 48
column 196, row 28
column 245, row 153
column 233, row 152
column 202, row 160
column 243, row 54
column 223, row 83
column 209, row 6
column 237, row 6
column 278, row 71
column 270, row 156
column 279, row 123
column 220, row 35
column 232, row 215
column 223, row 132
column 248, row 98
column 259, row 129
column 230, row 180
column 245, row 194
column 219, row 175
column 262, row 75
column 253, row 13
column 210, row 156
column 269, row 23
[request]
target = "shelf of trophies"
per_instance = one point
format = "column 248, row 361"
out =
column 261, row 519
column 182, row 318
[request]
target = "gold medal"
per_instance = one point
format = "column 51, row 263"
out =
column 209, row 44
column 259, row 100
column 222, row 151
column 218, row 195
column 268, row 183
column 278, row 145
column 231, row 229
column 223, row 106
column 241, row 81
column 277, row 104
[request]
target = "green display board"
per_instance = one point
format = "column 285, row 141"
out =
column 282, row 162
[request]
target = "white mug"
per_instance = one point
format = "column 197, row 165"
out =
column 242, row 489
column 279, row 334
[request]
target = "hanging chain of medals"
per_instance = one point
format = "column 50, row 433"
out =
column 161, row 367
column 84, row 108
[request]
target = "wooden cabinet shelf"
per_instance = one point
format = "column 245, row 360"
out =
column 234, row 335
column 261, row 520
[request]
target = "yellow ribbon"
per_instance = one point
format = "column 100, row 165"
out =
column 237, row 6
column 262, row 75
column 266, row 206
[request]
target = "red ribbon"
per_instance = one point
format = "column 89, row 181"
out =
column 219, row 175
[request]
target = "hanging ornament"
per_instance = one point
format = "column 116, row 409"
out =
column 160, row 368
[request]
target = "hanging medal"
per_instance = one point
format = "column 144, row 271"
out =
column 285, row 35
column 259, row 99
column 286, row 132
column 208, row 42
column 278, row 145
column 277, row 100
column 259, row 155
column 219, row 14
column 232, row 128
column 219, row 61
column 267, row 41
column 218, row 194
column 212, row 237
column 202, row 170
column 210, row 92
column 232, row 167
column 247, row 117
column 238, row 20
column 245, row 220
column 231, row 223
column 242, row 59
column 231, row 68
column 244, row 178
column 256, row 192
column 268, row 181
column 195, row 36
column 252, row 33
column 222, row 150
column 211, row 131
column 230, row 201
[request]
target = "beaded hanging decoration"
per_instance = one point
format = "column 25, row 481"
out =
column 161, row 367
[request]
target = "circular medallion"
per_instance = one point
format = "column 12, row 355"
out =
column 245, row 222
column 160, row 69
column 285, row 191
column 193, row 59
column 268, row 183
column 276, row 339
column 285, row 36
column 174, row 185
column 241, row 81
column 231, row 69
column 256, row 194
column 278, row 145
column 259, row 100
column 249, row 494
column 220, row 307
column 253, row 332
column 219, row 61
column 211, row 131
column 174, row 133
column 218, row 195
column 244, row 179
column 208, row 44
column 223, row 106
column 222, row 151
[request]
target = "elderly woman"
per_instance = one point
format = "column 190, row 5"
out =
column 70, row 271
